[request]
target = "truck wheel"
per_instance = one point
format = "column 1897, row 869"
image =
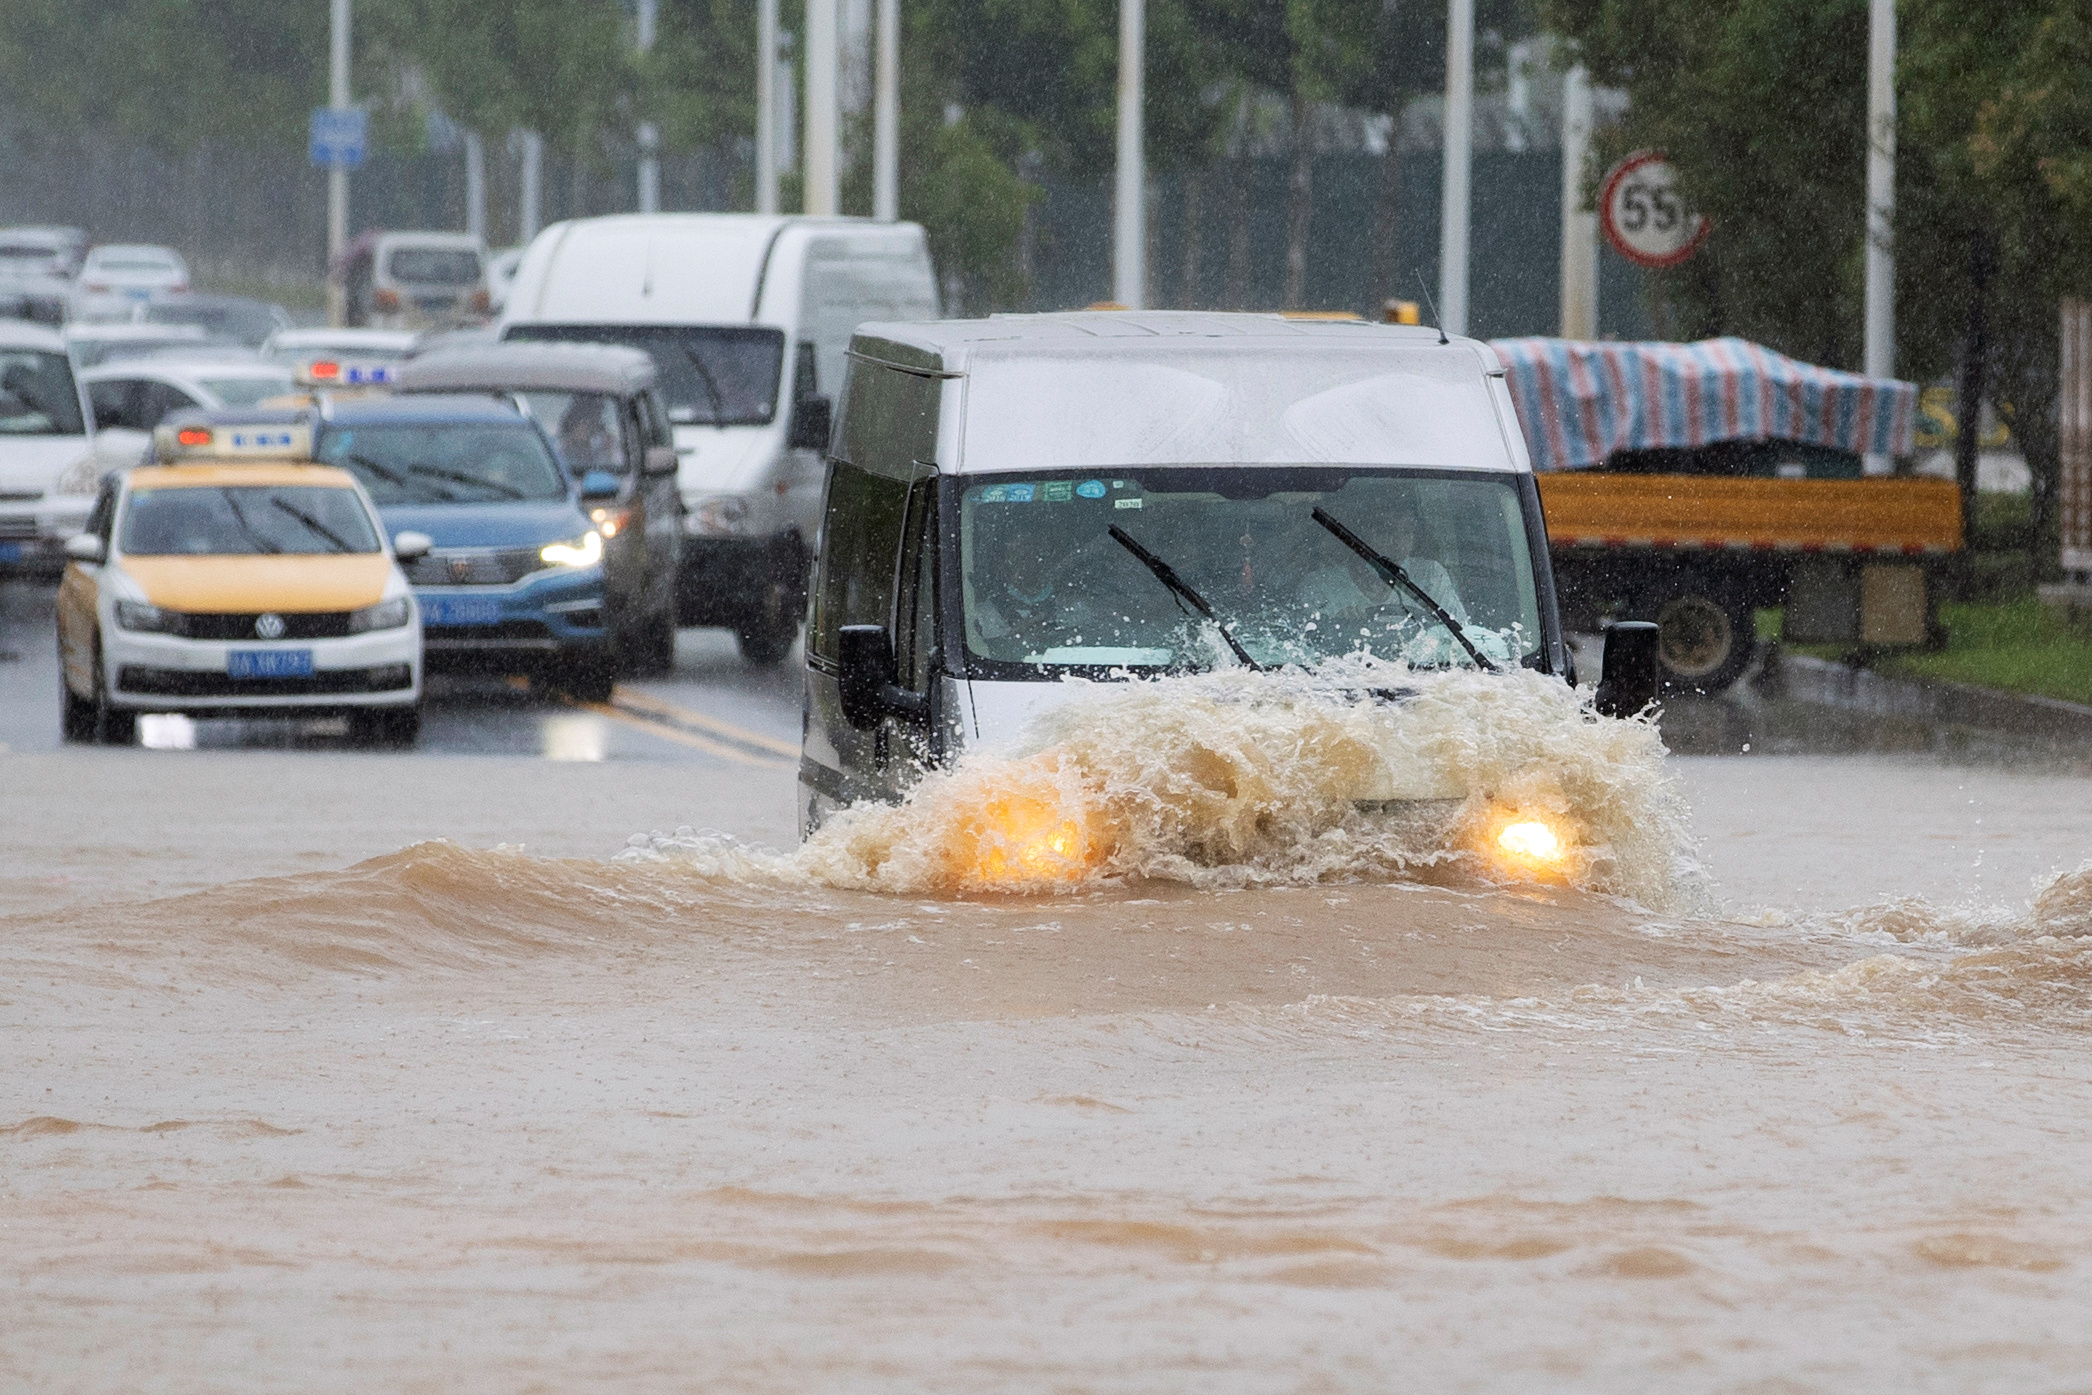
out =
column 1705, row 633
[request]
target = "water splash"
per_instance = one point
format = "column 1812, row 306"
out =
column 1235, row 779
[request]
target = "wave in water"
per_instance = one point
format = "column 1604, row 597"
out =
column 1237, row 779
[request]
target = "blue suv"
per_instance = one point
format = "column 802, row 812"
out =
column 513, row 581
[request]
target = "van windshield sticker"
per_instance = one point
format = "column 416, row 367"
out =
column 1007, row 494
column 1125, row 503
column 1057, row 491
column 1091, row 489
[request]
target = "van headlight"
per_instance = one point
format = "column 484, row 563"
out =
column 722, row 513
column 385, row 615
column 584, row 551
column 147, row 619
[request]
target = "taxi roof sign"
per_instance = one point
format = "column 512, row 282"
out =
column 272, row 436
column 345, row 372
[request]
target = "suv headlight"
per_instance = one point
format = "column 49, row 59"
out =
column 584, row 551
column 722, row 513
column 83, row 476
column 385, row 615
column 149, row 619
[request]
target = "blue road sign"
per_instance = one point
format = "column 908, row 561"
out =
column 337, row 136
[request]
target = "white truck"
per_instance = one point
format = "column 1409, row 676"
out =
column 748, row 318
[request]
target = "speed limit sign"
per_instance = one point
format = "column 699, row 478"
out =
column 1644, row 218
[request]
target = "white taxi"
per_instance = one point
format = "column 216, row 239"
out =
column 231, row 576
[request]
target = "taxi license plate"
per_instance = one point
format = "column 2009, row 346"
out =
column 269, row 663
column 460, row 610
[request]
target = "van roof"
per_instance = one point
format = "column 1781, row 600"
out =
column 526, row 365
column 1098, row 389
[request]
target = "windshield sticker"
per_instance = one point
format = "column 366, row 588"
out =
column 1007, row 494
column 1056, row 491
column 1125, row 503
column 1091, row 489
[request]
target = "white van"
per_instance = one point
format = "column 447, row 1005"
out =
column 1028, row 498
column 414, row 280
column 749, row 319
column 48, row 470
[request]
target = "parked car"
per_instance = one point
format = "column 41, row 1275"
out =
column 605, row 415
column 233, row 318
column 414, row 280
column 48, row 469
column 748, row 318
column 233, row 577
column 513, row 581
column 41, row 251
column 41, row 300
column 117, row 277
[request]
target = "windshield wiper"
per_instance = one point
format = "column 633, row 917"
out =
column 704, row 375
column 1396, row 578
column 1181, row 589
column 240, row 517
column 340, row 543
column 460, row 477
column 395, row 478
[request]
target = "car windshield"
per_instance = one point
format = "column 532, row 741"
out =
column 244, row 520
column 139, row 264
column 37, row 395
column 434, row 266
column 447, row 462
column 245, row 392
column 711, row 375
column 1045, row 583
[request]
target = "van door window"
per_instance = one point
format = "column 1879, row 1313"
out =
column 916, row 645
column 861, row 535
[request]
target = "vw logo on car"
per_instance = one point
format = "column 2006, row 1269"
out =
column 269, row 626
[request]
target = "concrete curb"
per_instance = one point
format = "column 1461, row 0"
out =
column 1803, row 679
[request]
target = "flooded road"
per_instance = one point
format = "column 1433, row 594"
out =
column 1785, row 1088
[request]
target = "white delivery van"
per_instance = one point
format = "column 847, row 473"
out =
column 749, row 319
column 48, row 469
column 1016, row 501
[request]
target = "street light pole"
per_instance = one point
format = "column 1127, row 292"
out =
column 1579, row 229
column 337, row 173
column 1881, row 189
column 823, row 172
column 1459, row 121
column 886, row 115
column 766, row 106
column 1129, row 225
column 649, row 133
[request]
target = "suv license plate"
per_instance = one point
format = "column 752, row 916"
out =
column 460, row 610
column 269, row 663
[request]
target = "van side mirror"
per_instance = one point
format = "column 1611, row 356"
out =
column 86, row 547
column 599, row 484
column 812, row 417
column 869, row 689
column 1630, row 677
column 411, row 547
column 659, row 460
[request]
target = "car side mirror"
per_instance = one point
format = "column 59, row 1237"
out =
column 411, row 547
column 1629, row 681
column 869, row 689
column 812, row 418
column 660, row 460
column 86, row 547
column 599, row 484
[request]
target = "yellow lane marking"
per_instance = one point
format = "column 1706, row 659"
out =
column 647, row 703
column 681, row 738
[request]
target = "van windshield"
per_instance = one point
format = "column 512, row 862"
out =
column 1046, row 585
column 37, row 395
column 711, row 375
column 434, row 266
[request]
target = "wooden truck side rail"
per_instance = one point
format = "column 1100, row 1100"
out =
column 1897, row 516
column 1852, row 561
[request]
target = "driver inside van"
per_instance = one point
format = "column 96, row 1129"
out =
column 1348, row 587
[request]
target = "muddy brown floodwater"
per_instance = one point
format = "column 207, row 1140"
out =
column 1785, row 1086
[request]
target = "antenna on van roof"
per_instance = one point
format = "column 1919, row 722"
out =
column 1436, row 322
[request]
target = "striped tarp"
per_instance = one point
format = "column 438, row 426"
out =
column 1580, row 402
